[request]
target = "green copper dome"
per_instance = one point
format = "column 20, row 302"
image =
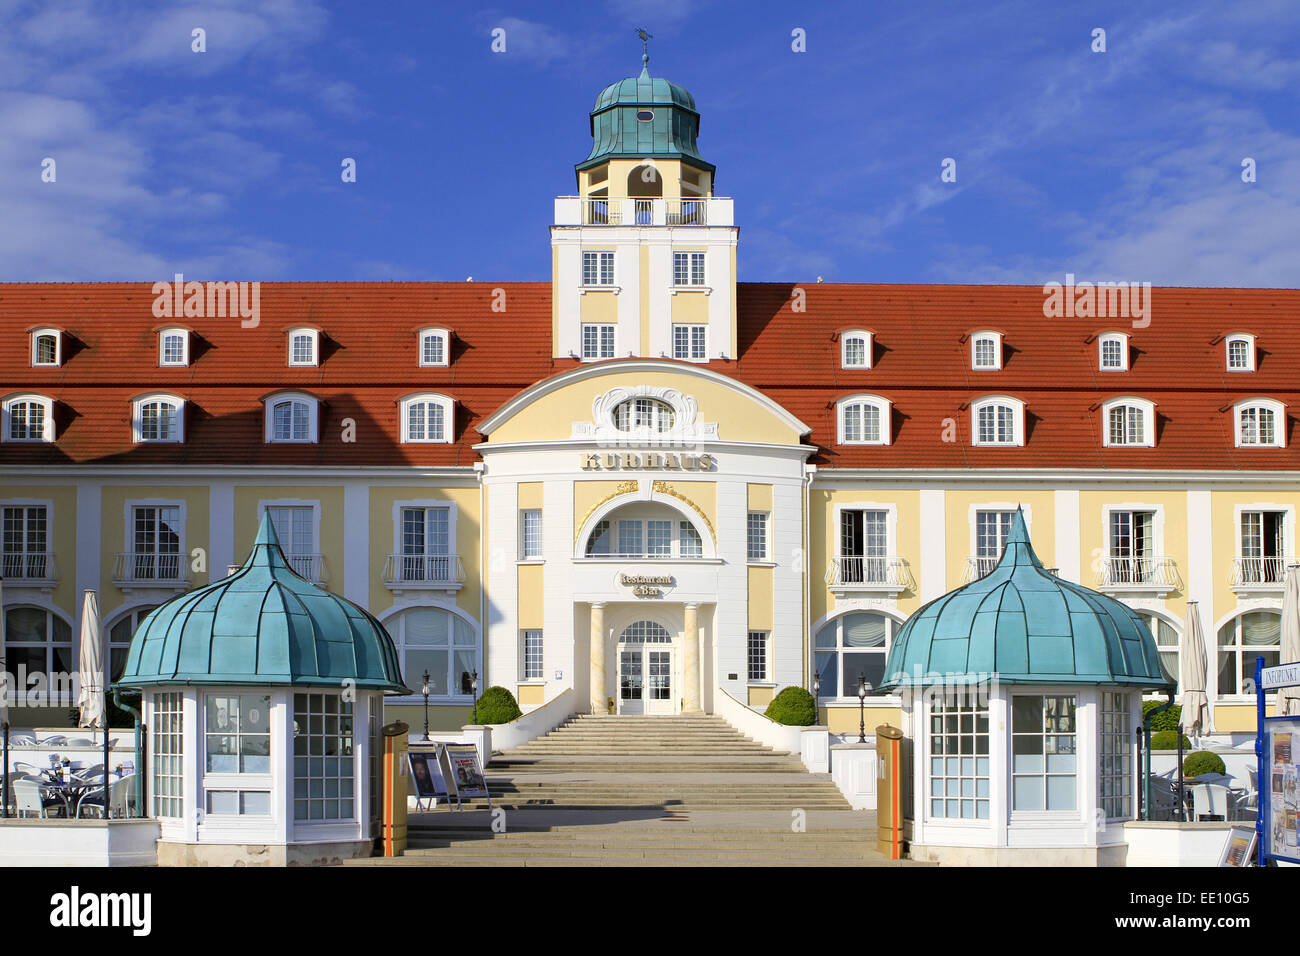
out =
column 645, row 117
column 1025, row 626
column 265, row 626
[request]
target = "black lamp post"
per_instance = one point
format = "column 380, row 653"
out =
column 424, row 688
column 864, row 688
column 473, row 686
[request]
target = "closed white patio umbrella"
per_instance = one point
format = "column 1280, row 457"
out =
column 91, row 699
column 1196, row 718
column 1288, row 698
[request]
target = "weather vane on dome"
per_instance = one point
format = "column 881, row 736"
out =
column 646, row 37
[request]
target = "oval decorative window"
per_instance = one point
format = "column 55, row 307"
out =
column 638, row 413
column 645, row 115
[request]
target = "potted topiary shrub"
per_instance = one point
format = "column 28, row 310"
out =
column 793, row 707
column 1168, row 740
column 1166, row 719
column 1201, row 762
column 497, row 706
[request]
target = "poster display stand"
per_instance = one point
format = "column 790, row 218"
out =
column 426, row 763
column 1277, row 746
column 463, row 773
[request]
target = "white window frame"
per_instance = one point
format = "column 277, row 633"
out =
column 843, row 694
column 47, row 425
column 448, row 406
column 137, row 418
column 532, row 671
column 37, row 334
column 1266, row 404
column 1245, row 659
column 1112, row 337
column 1017, row 420
column 884, row 408
column 424, row 504
column 524, row 553
column 985, row 336
column 1249, row 341
column 128, row 539
column 868, row 341
column 764, row 638
column 691, row 328
column 690, row 273
column 444, row 336
column 1148, row 410
column 163, row 336
column 453, row 694
column 1081, row 753
column 314, row 334
column 582, row 345
column 765, row 519
column 286, row 546
column 974, row 511
column 313, row 418
column 598, row 284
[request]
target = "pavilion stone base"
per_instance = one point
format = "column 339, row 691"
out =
column 244, row 854
column 1021, row 856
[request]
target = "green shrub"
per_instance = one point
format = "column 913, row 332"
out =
column 793, row 707
column 497, row 706
column 1202, row 761
column 1166, row 719
column 1168, row 740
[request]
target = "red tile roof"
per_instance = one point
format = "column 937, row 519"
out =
column 922, row 364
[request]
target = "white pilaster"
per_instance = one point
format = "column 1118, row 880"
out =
column 356, row 542
column 934, row 544
column 221, row 528
column 1066, row 508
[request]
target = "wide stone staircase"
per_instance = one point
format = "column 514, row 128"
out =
column 646, row 791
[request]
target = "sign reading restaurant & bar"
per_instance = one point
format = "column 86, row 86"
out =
column 646, row 585
column 646, row 461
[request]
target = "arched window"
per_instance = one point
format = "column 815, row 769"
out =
column 47, row 347
column 855, row 349
column 28, row 418
column 427, row 418
column 864, row 420
column 1240, row 352
column 37, row 642
column 1112, row 352
column 851, row 645
column 645, row 632
column 1260, row 423
column 986, row 351
column 644, row 531
column 291, row 417
column 119, row 638
column 998, row 420
column 644, row 414
column 444, row 645
column 174, row 347
column 1168, row 644
column 435, row 347
column 1128, row 422
column 158, row 418
column 1241, row 640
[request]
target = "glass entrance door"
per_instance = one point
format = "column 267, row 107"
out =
column 646, row 683
column 659, row 687
column 631, row 689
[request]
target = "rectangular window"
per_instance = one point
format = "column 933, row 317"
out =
column 426, row 544
column 1263, row 555
column 532, row 641
column 432, row 351
column 598, row 268
column 986, row 353
column 1238, row 355
column 1115, row 782
column 173, row 349
column 757, row 655
column 991, row 530
column 629, row 537
column 296, row 529
column 864, row 546
column 237, row 733
column 290, row 421
column 302, row 349
column 1112, row 354
column 757, row 536
column 324, row 777
column 689, row 343
column 959, row 757
column 530, row 534
column 157, row 543
column 688, row 268
column 659, row 538
column 1043, row 749
column 691, row 545
column 855, row 352
column 244, row 803
column 25, row 542
column 1132, row 547
column 47, row 350
column 597, row 341
column 166, row 761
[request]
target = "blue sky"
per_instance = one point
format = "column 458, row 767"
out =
column 225, row 165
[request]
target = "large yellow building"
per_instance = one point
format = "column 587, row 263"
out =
column 646, row 486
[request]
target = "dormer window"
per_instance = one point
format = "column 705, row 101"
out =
column 435, row 347
column 304, row 347
column 28, row 418
column 158, row 418
column 47, row 347
column 1128, row 422
column 855, row 349
column 1112, row 352
column 1241, row 353
column 292, row 418
column 1260, row 423
column 986, row 351
column 998, row 420
column 864, row 420
column 174, row 347
column 427, row 418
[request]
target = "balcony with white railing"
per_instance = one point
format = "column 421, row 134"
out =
column 1155, row 575
column 976, row 567
column 31, row 569
column 634, row 211
column 310, row 566
column 148, row 569
column 423, row 572
column 1258, row 574
column 888, row 576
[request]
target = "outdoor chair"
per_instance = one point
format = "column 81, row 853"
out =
column 22, row 740
column 121, row 797
column 1245, row 806
column 55, row 740
column 1209, row 801
column 29, row 798
column 81, row 742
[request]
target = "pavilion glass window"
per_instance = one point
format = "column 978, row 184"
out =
column 1044, row 752
column 1241, row 640
column 26, row 542
column 959, row 755
column 852, row 645
column 324, row 772
column 166, row 741
column 237, row 733
column 1115, row 776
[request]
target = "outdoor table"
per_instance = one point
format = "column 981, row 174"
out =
column 71, row 792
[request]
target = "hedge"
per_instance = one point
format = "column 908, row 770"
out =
column 793, row 707
column 497, row 706
column 1166, row 719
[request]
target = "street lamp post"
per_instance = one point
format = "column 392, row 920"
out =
column 864, row 688
column 473, row 686
column 424, row 688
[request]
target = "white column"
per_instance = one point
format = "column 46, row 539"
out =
column 1068, row 560
column 934, row 544
column 691, row 662
column 597, row 683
